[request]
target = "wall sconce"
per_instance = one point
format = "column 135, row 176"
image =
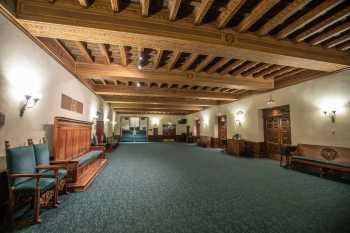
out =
column 239, row 118
column 30, row 103
column 331, row 115
column 270, row 101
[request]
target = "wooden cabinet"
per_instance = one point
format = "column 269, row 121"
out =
column 235, row 147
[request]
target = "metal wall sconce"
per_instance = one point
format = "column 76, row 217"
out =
column 331, row 115
column 30, row 103
column 239, row 118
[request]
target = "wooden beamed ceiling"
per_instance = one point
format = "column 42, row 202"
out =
column 205, row 50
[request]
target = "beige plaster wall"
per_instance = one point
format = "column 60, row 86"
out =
column 307, row 102
column 26, row 69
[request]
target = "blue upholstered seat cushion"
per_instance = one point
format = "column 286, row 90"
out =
column 89, row 156
column 28, row 186
column 42, row 154
column 50, row 173
column 20, row 160
column 345, row 165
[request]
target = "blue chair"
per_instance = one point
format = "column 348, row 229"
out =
column 43, row 163
column 26, row 185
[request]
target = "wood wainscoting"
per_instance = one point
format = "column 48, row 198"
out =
column 246, row 148
column 71, row 140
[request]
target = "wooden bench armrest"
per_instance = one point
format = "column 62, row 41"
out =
column 97, row 147
column 66, row 162
column 15, row 175
column 49, row 167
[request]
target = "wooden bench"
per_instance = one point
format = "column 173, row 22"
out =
column 71, row 146
column 324, row 158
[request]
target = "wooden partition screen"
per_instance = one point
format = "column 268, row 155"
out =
column 71, row 138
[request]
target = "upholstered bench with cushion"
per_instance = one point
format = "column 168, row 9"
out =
column 325, row 158
column 85, row 158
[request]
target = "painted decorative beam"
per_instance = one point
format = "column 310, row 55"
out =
column 231, row 9
column 341, row 15
column 243, row 68
column 256, row 69
column 284, row 14
column 268, row 71
column 308, row 17
column 119, row 72
column 173, row 6
column 263, row 7
column 280, row 72
column 160, row 92
column 201, row 11
column 99, row 26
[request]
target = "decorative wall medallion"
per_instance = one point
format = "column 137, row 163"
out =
column 2, row 119
column 329, row 153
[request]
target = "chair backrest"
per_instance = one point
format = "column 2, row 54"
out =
column 20, row 160
column 42, row 154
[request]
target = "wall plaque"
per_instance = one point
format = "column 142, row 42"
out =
column 71, row 104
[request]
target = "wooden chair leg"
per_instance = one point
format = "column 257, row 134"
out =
column 55, row 197
column 11, row 207
column 37, row 204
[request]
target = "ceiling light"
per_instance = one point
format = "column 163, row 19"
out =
column 138, row 84
column 139, row 67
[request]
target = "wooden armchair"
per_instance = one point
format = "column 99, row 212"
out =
column 26, row 186
column 44, row 165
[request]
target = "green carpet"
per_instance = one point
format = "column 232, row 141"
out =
column 178, row 188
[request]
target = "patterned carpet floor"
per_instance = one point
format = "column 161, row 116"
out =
column 179, row 188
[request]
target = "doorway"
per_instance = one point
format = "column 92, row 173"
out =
column 198, row 128
column 222, row 130
column 169, row 131
column 277, row 130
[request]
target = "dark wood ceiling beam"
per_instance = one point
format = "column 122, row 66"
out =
column 160, row 101
column 345, row 46
column 338, row 41
column 145, row 6
column 268, row 71
column 173, row 6
column 263, row 7
column 231, row 9
column 308, row 17
column 332, row 33
column 99, row 26
column 115, row 5
column 189, row 61
column 153, row 112
column 173, row 59
column 341, row 15
column 256, row 69
column 84, row 51
column 105, row 53
column 201, row 11
column 84, row 3
column 204, row 63
column 118, row 72
column 156, row 107
column 160, row 92
column 232, row 67
column 244, row 68
column 124, row 60
column 280, row 72
column 218, row 65
column 284, row 14
column 157, row 58
column 283, row 76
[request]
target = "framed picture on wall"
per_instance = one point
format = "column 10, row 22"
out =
column 2, row 119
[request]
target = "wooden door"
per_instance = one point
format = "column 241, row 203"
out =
column 198, row 128
column 277, row 131
column 222, row 130
column 169, row 131
column 155, row 132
